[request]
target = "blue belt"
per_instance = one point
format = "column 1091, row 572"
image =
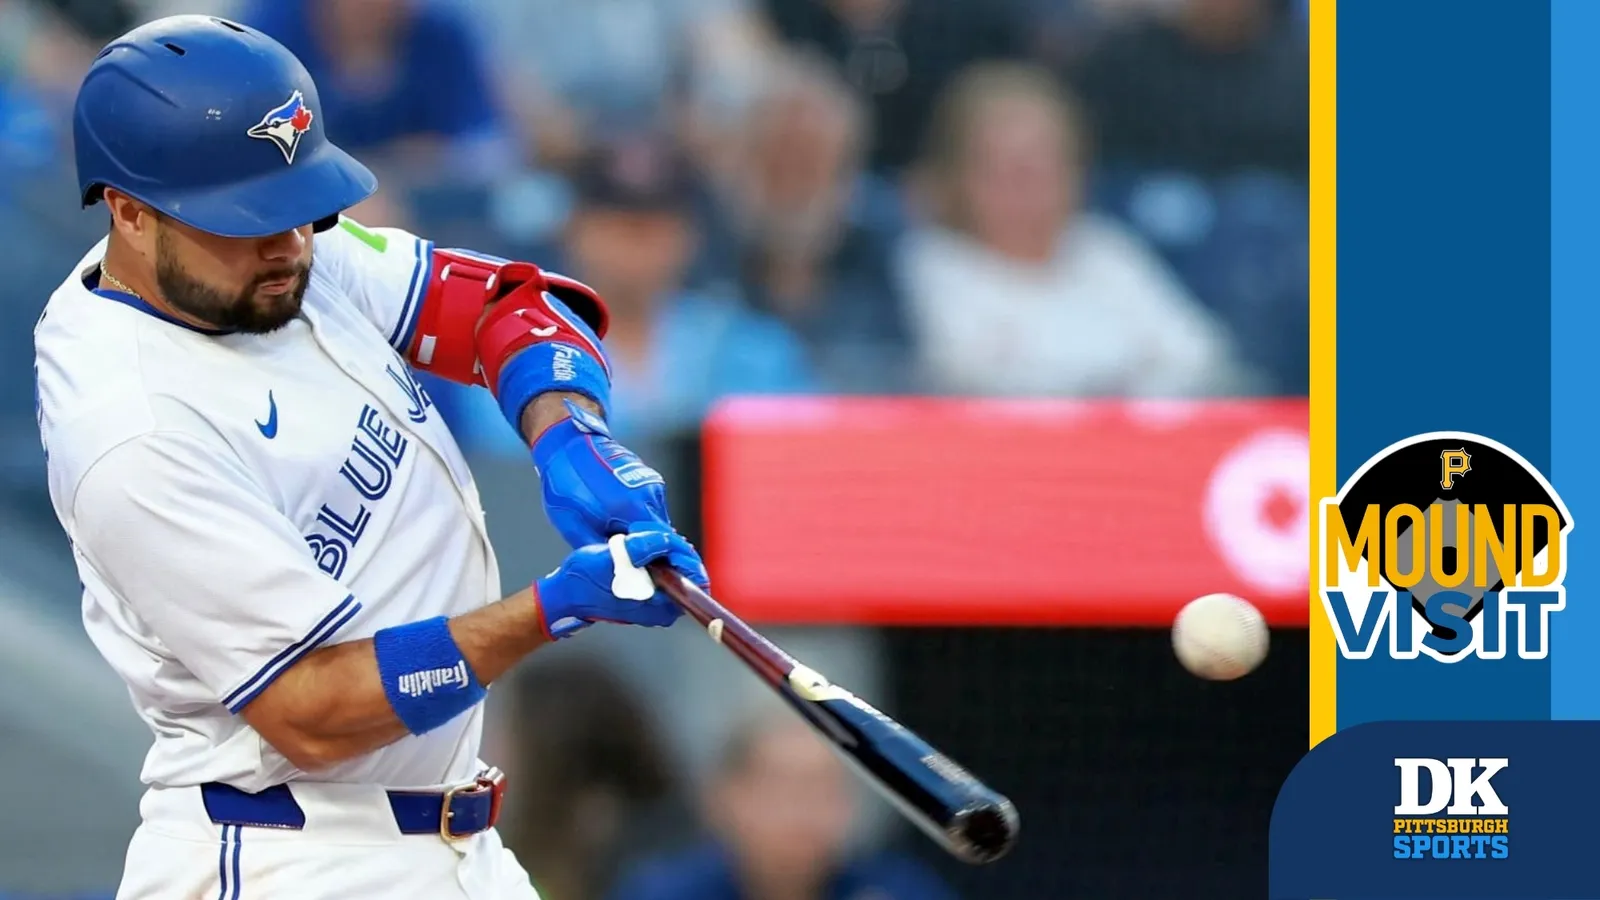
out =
column 453, row 814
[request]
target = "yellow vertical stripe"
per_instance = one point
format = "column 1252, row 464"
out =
column 1324, row 376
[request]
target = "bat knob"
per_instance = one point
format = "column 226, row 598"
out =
column 982, row 834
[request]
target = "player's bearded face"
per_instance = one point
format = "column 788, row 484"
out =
column 268, row 299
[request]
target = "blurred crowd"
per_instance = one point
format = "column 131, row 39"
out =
column 1083, row 198
column 994, row 197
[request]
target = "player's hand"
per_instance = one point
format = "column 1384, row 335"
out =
column 606, row 583
column 593, row 486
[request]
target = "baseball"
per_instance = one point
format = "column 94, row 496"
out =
column 1220, row 637
column 715, row 629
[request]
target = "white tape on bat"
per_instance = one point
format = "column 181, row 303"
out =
column 809, row 683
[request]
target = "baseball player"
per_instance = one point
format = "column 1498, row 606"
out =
column 282, row 550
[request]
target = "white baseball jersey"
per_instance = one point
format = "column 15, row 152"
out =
column 236, row 501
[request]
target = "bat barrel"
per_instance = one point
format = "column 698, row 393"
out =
column 971, row 821
column 985, row 833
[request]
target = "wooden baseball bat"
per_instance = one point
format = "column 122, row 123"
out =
column 963, row 815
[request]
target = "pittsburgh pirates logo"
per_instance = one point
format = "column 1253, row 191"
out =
column 1452, row 465
column 1449, row 566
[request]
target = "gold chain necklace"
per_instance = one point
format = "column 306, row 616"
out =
column 107, row 276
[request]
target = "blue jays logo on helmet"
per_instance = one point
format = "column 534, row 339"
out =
column 285, row 125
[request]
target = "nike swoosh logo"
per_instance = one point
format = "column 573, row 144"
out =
column 269, row 428
column 545, row 331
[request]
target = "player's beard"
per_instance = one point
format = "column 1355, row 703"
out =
column 248, row 311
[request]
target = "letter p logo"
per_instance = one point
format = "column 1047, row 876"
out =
column 1452, row 465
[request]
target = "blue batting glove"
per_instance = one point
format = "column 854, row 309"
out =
column 593, row 486
column 605, row 583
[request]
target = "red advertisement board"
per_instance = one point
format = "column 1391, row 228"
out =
column 932, row 511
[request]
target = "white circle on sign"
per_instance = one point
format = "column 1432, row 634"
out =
column 1271, row 465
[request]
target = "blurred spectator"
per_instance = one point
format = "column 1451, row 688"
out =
column 672, row 351
column 779, row 809
column 97, row 20
column 1062, row 32
column 32, row 134
column 1212, row 85
column 1240, row 243
column 43, row 55
column 899, row 54
column 589, row 768
column 807, row 240
column 404, row 85
column 49, row 51
column 578, row 72
column 1014, row 288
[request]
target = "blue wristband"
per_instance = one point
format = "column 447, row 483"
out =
column 549, row 366
column 425, row 677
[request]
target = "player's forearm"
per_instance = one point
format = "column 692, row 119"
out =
column 333, row 705
column 548, row 409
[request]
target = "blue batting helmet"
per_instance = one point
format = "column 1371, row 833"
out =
column 214, row 124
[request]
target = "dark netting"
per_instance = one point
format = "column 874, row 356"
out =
column 1134, row 779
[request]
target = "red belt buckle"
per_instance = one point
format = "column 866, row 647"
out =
column 492, row 780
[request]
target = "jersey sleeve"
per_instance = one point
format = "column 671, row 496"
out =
column 179, row 533
column 385, row 271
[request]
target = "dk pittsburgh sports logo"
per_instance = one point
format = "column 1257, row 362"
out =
column 1452, row 544
column 1464, row 817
